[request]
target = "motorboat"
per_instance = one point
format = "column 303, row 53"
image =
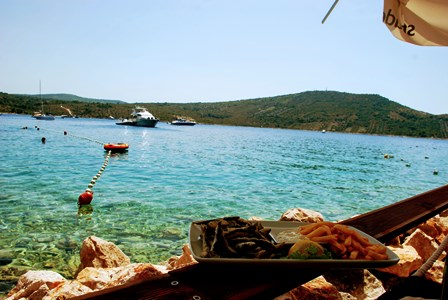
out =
column 140, row 117
column 183, row 122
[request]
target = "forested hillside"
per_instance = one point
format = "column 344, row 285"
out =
column 314, row 110
column 70, row 97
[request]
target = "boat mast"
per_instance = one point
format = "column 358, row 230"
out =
column 40, row 96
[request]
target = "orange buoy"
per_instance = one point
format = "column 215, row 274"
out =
column 85, row 198
column 120, row 147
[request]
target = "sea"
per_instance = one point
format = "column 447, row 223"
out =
column 145, row 199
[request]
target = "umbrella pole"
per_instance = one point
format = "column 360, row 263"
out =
column 329, row 12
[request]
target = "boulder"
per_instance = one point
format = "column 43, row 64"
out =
column 67, row 290
column 35, row 284
column 183, row 260
column 317, row 288
column 409, row 262
column 422, row 243
column 98, row 253
column 359, row 283
column 46, row 285
column 435, row 273
column 430, row 228
column 100, row 278
column 302, row 215
column 96, row 278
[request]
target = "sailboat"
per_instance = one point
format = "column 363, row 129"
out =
column 41, row 115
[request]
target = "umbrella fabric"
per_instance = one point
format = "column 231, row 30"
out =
column 420, row 22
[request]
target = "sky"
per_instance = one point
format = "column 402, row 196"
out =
column 186, row 51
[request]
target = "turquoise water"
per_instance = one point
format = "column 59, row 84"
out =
column 146, row 198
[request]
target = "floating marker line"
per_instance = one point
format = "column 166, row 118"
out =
column 87, row 197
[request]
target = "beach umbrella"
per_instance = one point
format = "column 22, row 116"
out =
column 420, row 22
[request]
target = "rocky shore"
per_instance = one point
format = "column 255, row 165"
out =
column 103, row 266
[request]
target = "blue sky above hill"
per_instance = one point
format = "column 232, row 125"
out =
column 209, row 51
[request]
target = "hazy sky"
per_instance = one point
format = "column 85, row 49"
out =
column 210, row 51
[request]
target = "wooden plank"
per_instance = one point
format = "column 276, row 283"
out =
column 203, row 282
column 242, row 282
column 390, row 221
column 163, row 287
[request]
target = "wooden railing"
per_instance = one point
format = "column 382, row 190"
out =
column 390, row 221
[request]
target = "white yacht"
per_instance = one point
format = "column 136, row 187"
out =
column 140, row 117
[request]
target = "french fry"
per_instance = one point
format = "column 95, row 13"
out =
column 324, row 239
column 378, row 248
column 344, row 241
column 376, row 255
column 359, row 247
column 306, row 229
column 348, row 241
column 344, row 229
column 362, row 239
column 353, row 254
column 339, row 246
column 320, row 231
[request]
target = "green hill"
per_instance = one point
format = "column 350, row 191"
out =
column 70, row 97
column 314, row 110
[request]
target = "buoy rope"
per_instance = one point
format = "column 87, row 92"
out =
column 431, row 260
column 98, row 175
column 77, row 136
column 87, row 197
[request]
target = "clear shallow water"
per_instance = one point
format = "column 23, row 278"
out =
column 146, row 198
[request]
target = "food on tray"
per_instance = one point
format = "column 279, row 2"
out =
column 236, row 237
column 307, row 249
column 344, row 242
